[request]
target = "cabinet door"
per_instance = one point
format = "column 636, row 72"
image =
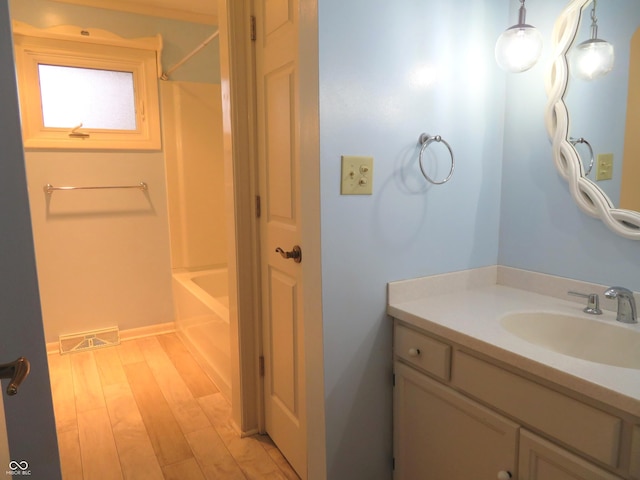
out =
column 634, row 468
column 439, row 434
column 542, row 460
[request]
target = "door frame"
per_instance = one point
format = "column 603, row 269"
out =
column 240, row 156
column 238, row 112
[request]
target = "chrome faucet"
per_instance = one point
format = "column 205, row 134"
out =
column 627, row 312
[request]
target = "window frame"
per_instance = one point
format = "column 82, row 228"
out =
column 72, row 46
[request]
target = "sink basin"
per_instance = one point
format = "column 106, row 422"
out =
column 579, row 337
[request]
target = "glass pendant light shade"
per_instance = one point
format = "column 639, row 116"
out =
column 518, row 48
column 592, row 59
column 595, row 57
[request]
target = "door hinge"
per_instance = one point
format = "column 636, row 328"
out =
column 254, row 35
column 258, row 206
column 393, row 463
column 261, row 365
column 394, row 379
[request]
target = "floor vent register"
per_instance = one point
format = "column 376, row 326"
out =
column 78, row 342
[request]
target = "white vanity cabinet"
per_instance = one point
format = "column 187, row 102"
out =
column 459, row 415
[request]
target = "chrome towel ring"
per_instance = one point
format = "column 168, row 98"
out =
column 425, row 140
column 574, row 141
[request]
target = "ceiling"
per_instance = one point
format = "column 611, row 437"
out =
column 199, row 11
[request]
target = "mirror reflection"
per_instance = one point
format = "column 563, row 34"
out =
column 605, row 111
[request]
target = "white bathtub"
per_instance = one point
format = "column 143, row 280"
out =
column 201, row 302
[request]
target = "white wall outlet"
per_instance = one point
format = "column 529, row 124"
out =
column 357, row 175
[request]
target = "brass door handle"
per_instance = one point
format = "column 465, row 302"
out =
column 295, row 254
column 17, row 371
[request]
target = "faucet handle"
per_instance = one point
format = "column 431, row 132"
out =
column 593, row 303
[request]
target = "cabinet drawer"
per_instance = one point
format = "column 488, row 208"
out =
column 424, row 352
column 587, row 429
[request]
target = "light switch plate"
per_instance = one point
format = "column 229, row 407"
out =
column 604, row 166
column 357, row 175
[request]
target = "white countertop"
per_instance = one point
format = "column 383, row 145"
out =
column 471, row 317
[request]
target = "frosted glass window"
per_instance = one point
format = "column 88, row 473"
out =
column 106, row 85
column 98, row 99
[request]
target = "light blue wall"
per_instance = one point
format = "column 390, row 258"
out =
column 179, row 38
column 541, row 227
column 371, row 103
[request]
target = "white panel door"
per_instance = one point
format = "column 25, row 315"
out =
column 279, row 173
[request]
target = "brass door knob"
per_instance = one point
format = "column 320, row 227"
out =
column 295, row 254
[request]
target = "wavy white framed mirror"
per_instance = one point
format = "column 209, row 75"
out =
column 615, row 201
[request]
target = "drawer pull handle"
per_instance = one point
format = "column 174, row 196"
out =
column 414, row 352
column 504, row 475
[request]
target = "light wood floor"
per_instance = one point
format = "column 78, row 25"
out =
column 145, row 410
